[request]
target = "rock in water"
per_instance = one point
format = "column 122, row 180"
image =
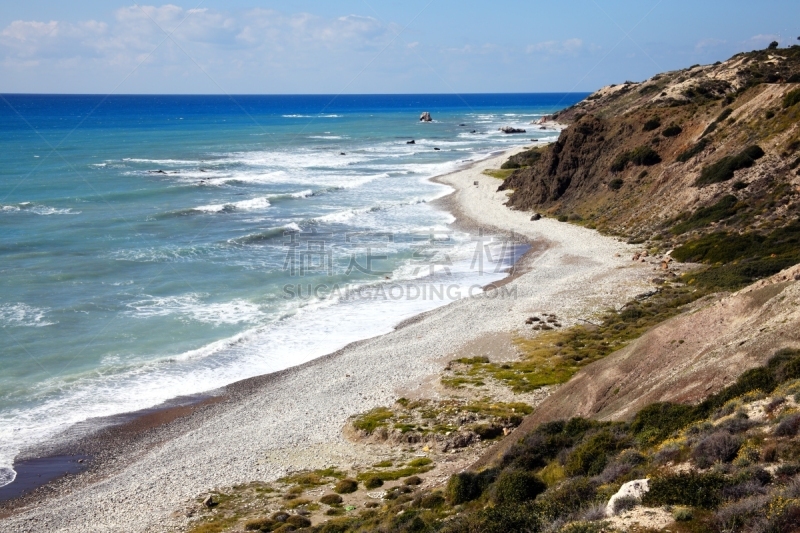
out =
column 509, row 129
column 411, row 142
column 425, row 117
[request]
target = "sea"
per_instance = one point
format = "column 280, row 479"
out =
column 153, row 247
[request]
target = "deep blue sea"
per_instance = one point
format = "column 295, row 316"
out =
column 159, row 246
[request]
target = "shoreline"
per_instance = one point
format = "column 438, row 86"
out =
column 43, row 469
column 259, row 428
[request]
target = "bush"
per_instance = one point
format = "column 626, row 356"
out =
column 331, row 499
column 516, row 486
column 672, row 131
column 259, row 524
column 413, row 480
column 719, row 447
column 641, row 156
column 373, row 482
column 658, row 421
column 346, row 486
column 791, row 98
column 298, row 521
column 652, row 124
column 726, row 207
column 466, row 486
column 420, row 461
column 569, row 497
column 625, row 503
column 590, row 458
column 433, row 500
column 616, row 184
column 789, row 426
column 686, row 488
column 693, row 151
column 724, row 169
column 682, row 514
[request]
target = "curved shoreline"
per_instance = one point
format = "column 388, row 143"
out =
column 98, row 443
column 266, row 426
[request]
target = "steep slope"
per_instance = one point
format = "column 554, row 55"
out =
column 672, row 158
column 684, row 360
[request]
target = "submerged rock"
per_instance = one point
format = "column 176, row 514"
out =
column 509, row 129
column 425, row 117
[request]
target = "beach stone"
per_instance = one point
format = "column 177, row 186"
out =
column 425, row 117
column 535, row 217
column 209, row 501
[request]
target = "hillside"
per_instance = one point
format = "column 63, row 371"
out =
column 703, row 151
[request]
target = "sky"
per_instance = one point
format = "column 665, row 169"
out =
column 371, row 46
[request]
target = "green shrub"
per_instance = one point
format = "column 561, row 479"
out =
column 563, row 218
column 420, row 461
column 346, row 486
column 467, row 486
column 693, row 151
column 658, row 421
column 641, row 156
column 572, row 495
column 726, row 207
column 682, row 514
column 652, row 124
column 791, row 98
column 724, row 169
column 259, row 524
column 672, row 131
column 412, row 480
column 331, row 499
column 516, row 486
column 433, row 500
column 372, row 420
column 686, row 488
column 590, row 458
column 373, row 482
column 616, row 184
column 298, row 521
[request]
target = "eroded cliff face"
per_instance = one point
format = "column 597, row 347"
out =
column 630, row 161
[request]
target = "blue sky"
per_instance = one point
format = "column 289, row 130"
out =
column 410, row 46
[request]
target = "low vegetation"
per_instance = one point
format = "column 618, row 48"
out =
column 723, row 170
column 641, row 156
column 726, row 207
column 749, row 484
column 557, row 353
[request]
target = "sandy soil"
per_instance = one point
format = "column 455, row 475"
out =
column 266, row 427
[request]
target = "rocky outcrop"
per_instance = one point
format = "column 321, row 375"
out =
column 425, row 117
column 509, row 130
column 629, row 162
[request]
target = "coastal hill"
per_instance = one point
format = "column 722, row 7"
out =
column 683, row 158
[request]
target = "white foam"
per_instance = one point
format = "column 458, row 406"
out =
column 244, row 205
column 192, row 307
column 23, row 315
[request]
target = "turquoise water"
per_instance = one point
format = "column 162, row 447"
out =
column 152, row 246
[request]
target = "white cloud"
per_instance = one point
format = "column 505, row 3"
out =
column 569, row 46
column 137, row 30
